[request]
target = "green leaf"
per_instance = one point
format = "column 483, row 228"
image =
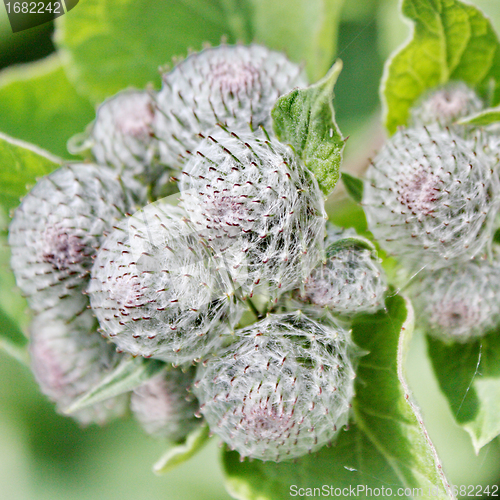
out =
column 451, row 40
column 305, row 29
column 181, row 452
column 22, row 164
column 108, row 45
column 12, row 340
column 40, row 106
column 482, row 119
column 10, row 332
column 387, row 446
column 353, row 186
column 129, row 374
column 469, row 376
column 305, row 119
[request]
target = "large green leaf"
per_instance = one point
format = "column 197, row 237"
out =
column 305, row 119
column 451, row 40
column 39, row 105
column 108, row 45
column 305, row 29
column 387, row 446
column 469, row 376
column 21, row 164
column 129, row 374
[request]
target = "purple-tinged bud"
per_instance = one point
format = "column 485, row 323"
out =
column 156, row 290
column 68, row 359
column 232, row 85
column 458, row 303
column 258, row 208
column 429, row 197
column 351, row 280
column 282, row 390
column 163, row 406
column 57, row 229
column 446, row 105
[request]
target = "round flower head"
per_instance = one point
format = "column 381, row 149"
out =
column 156, row 292
column 351, row 281
column 57, row 228
column 122, row 137
column 232, row 85
column 458, row 303
column 257, row 207
column 70, row 358
column 429, row 197
column 446, row 105
column 163, row 406
column 282, row 390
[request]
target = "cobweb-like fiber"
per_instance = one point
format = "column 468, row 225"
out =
column 458, row 303
column 57, row 229
column 258, row 208
column 429, row 197
column 157, row 292
column 351, row 281
column 232, row 85
column 282, row 390
column 68, row 359
column 164, row 407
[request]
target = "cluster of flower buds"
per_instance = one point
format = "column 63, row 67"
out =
column 176, row 280
column 432, row 197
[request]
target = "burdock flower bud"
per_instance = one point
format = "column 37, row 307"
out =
column 156, row 290
column 57, row 229
column 258, row 208
column 232, row 85
column 164, row 407
column 351, row 280
column 429, row 197
column 446, row 105
column 68, row 359
column 122, row 137
column 460, row 302
column 282, row 390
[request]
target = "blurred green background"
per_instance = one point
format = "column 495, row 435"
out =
column 46, row 456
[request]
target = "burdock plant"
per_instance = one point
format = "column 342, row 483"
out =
column 183, row 268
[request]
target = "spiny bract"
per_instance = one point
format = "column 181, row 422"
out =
column 231, row 85
column 459, row 302
column 156, row 290
column 351, row 280
column 429, row 197
column 258, row 208
column 164, row 407
column 57, row 229
column 282, row 390
column 68, row 359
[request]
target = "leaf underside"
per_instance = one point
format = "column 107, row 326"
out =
column 469, row 376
